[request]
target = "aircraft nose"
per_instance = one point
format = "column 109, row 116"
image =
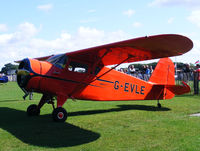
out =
column 23, row 73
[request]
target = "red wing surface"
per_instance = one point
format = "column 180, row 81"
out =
column 132, row 50
column 139, row 49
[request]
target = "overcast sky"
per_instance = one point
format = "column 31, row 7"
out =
column 35, row 28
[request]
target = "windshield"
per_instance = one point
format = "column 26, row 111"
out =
column 58, row 60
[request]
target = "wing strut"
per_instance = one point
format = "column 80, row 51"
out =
column 99, row 59
column 77, row 88
column 129, row 56
column 94, row 66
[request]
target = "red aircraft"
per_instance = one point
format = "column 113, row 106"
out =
column 83, row 74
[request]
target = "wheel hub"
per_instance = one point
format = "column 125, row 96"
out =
column 60, row 115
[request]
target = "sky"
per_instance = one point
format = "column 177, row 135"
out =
column 35, row 28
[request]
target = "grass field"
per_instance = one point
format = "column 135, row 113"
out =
column 100, row 126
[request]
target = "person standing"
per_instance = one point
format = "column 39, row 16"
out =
column 187, row 73
column 151, row 69
column 131, row 70
column 147, row 73
column 196, row 79
column 143, row 72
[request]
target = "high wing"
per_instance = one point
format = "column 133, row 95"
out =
column 132, row 50
column 139, row 49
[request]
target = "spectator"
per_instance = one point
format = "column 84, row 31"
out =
column 151, row 69
column 125, row 70
column 147, row 73
column 143, row 71
column 187, row 73
column 131, row 70
column 196, row 79
column 120, row 70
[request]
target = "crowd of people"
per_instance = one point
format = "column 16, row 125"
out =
column 143, row 73
column 190, row 75
column 186, row 73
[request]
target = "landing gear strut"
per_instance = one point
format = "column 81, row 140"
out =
column 59, row 114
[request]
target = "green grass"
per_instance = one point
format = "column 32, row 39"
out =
column 100, row 126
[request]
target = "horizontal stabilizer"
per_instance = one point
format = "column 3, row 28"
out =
column 164, row 80
column 179, row 89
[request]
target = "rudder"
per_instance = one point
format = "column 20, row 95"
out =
column 163, row 73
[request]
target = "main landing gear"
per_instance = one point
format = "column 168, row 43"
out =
column 32, row 110
column 59, row 114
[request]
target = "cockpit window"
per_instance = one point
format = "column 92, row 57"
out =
column 77, row 67
column 58, row 60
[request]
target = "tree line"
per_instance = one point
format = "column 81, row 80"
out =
column 8, row 67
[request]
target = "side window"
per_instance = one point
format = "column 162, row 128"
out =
column 58, row 60
column 61, row 63
column 77, row 67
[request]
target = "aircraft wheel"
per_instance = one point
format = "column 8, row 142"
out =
column 32, row 110
column 159, row 105
column 59, row 114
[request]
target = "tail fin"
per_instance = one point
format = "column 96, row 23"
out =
column 163, row 75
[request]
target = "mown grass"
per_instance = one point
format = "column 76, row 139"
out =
column 100, row 126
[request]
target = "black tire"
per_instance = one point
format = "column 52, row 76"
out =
column 32, row 110
column 159, row 105
column 59, row 114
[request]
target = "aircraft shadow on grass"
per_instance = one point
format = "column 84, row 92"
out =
column 185, row 95
column 120, row 108
column 40, row 131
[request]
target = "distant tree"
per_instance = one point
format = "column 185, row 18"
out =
column 192, row 66
column 8, row 67
column 179, row 65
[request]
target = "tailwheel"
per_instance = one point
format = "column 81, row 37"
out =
column 159, row 105
column 59, row 114
column 33, row 110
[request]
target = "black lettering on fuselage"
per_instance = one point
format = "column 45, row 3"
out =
column 142, row 90
column 116, row 85
column 129, row 87
column 126, row 87
column 136, row 89
column 132, row 87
